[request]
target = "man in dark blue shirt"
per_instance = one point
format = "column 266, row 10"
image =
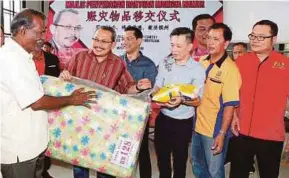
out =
column 140, row 67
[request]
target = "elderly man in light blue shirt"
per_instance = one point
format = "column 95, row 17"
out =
column 173, row 128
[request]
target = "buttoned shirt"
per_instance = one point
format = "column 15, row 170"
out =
column 141, row 67
column 111, row 72
column 263, row 95
column 222, row 86
column 171, row 73
column 24, row 132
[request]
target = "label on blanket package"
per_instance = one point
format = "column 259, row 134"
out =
column 123, row 153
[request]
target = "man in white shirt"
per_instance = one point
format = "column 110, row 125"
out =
column 24, row 135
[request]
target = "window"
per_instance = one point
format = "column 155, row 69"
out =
column 8, row 9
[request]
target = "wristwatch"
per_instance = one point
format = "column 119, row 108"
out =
column 222, row 132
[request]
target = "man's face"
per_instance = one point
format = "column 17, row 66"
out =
column 180, row 47
column 216, row 42
column 261, row 39
column 67, row 31
column 34, row 37
column 238, row 51
column 102, row 43
column 201, row 31
column 1, row 37
column 130, row 43
column 46, row 48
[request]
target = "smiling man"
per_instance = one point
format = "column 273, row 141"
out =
column 65, row 32
column 101, row 66
column 259, row 122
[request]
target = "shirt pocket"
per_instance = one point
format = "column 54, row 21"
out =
column 213, row 90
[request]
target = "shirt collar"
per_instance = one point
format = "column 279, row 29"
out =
column 190, row 62
column 136, row 60
column 12, row 44
column 220, row 61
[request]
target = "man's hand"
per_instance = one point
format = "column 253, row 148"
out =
column 144, row 84
column 218, row 144
column 65, row 75
column 235, row 125
column 193, row 102
column 154, row 91
column 174, row 102
column 79, row 97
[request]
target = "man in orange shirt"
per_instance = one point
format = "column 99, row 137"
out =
column 259, row 121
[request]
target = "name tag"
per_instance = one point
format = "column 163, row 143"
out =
column 52, row 66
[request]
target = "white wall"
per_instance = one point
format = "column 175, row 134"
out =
column 242, row 15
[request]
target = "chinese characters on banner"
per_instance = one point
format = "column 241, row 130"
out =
column 156, row 19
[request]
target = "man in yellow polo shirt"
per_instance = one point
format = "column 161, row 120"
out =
column 214, row 115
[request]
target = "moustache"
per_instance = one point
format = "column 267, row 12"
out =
column 71, row 38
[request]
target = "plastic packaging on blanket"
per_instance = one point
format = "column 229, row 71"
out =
column 173, row 90
column 106, row 137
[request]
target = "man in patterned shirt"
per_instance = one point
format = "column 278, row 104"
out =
column 101, row 66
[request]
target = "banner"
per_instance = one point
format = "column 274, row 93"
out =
column 156, row 18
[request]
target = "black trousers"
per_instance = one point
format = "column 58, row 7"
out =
column 172, row 136
column 47, row 165
column 145, row 168
column 231, row 152
column 268, row 154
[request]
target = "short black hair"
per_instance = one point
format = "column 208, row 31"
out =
column 240, row 44
column 273, row 26
column 47, row 43
column 227, row 33
column 137, row 32
column 183, row 31
column 110, row 29
column 57, row 16
column 201, row 17
column 24, row 18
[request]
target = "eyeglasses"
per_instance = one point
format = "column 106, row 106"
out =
column 103, row 42
column 259, row 38
column 68, row 27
